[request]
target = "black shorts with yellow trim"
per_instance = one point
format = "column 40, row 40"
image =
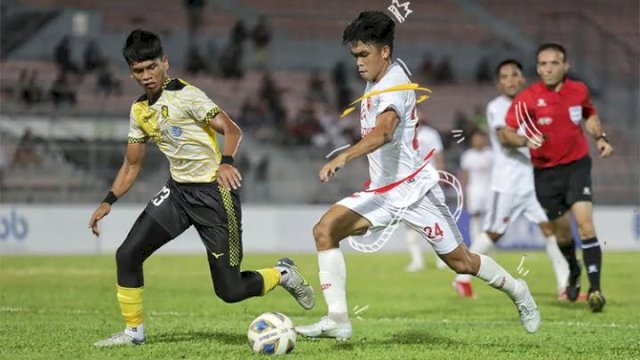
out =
column 214, row 211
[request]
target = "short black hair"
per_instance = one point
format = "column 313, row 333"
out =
column 504, row 62
column 142, row 45
column 553, row 46
column 370, row 27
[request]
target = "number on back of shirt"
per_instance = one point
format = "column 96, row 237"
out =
column 160, row 196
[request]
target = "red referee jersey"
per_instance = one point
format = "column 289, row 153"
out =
column 558, row 116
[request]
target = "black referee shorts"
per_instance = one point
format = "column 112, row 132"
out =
column 559, row 187
column 213, row 210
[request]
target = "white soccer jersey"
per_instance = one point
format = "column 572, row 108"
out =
column 478, row 164
column 512, row 169
column 397, row 159
column 428, row 139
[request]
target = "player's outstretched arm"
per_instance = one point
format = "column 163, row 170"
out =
column 127, row 175
column 594, row 128
column 386, row 124
column 228, row 175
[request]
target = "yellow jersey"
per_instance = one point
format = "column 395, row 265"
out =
column 178, row 123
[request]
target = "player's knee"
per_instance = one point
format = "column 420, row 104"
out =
column 322, row 236
column 125, row 256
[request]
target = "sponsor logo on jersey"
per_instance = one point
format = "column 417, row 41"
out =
column 586, row 191
column 545, row 120
column 541, row 102
column 176, row 131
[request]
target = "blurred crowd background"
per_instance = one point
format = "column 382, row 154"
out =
column 278, row 68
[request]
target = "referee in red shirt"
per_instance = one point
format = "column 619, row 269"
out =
column 550, row 114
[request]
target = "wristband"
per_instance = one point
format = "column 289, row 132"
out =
column 110, row 198
column 226, row 159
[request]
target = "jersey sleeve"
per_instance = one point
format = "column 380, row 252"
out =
column 198, row 106
column 136, row 134
column 588, row 109
column 512, row 119
column 394, row 100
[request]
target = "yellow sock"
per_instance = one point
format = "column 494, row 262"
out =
column 130, row 300
column 271, row 279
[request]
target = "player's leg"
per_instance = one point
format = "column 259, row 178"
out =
column 414, row 244
column 340, row 221
column 495, row 224
column 440, row 229
column 579, row 197
column 219, row 224
column 160, row 222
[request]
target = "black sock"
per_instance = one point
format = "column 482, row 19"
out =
column 592, row 255
column 569, row 252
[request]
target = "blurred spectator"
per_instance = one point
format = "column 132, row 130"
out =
column 93, row 58
column 239, row 32
column 444, row 72
column 62, row 55
column 25, row 153
column 315, row 88
column 61, row 91
column 272, row 94
column 196, row 63
column 30, row 91
column 343, row 92
column 483, row 71
column 194, row 15
column 261, row 38
column 231, row 60
column 304, row 125
column 479, row 118
column 427, row 68
column 106, row 82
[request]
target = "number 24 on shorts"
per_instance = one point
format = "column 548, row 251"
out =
column 160, row 196
column 434, row 232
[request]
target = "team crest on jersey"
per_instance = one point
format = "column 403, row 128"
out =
column 176, row 131
column 165, row 112
column 541, row 102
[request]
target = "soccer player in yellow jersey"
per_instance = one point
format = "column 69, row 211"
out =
column 202, row 190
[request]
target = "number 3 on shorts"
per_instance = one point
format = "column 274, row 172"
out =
column 160, row 196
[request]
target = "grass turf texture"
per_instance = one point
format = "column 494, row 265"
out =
column 56, row 307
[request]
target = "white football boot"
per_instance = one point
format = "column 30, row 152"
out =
column 528, row 310
column 326, row 327
column 119, row 339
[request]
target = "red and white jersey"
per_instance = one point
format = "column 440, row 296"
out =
column 558, row 116
column 512, row 170
column 398, row 159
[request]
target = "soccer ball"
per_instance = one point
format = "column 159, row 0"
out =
column 272, row 333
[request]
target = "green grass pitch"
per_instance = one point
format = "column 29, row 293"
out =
column 56, row 307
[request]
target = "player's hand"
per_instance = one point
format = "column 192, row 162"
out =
column 229, row 177
column 331, row 168
column 534, row 142
column 604, row 148
column 103, row 210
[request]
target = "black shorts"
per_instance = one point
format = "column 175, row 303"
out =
column 213, row 210
column 559, row 187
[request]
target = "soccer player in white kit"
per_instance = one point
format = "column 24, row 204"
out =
column 512, row 189
column 428, row 139
column 476, row 164
column 399, row 180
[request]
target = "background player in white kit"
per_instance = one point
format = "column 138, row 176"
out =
column 428, row 139
column 399, row 180
column 512, row 189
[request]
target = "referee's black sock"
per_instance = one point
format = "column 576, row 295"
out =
column 592, row 255
column 569, row 252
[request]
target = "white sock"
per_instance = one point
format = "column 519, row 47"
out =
column 497, row 277
column 333, row 276
column 482, row 244
column 135, row 332
column 413, row 243
column 558, row 262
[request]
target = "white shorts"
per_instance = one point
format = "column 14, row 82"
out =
column 477, row 200
column 505, row 207
column 429, row 216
